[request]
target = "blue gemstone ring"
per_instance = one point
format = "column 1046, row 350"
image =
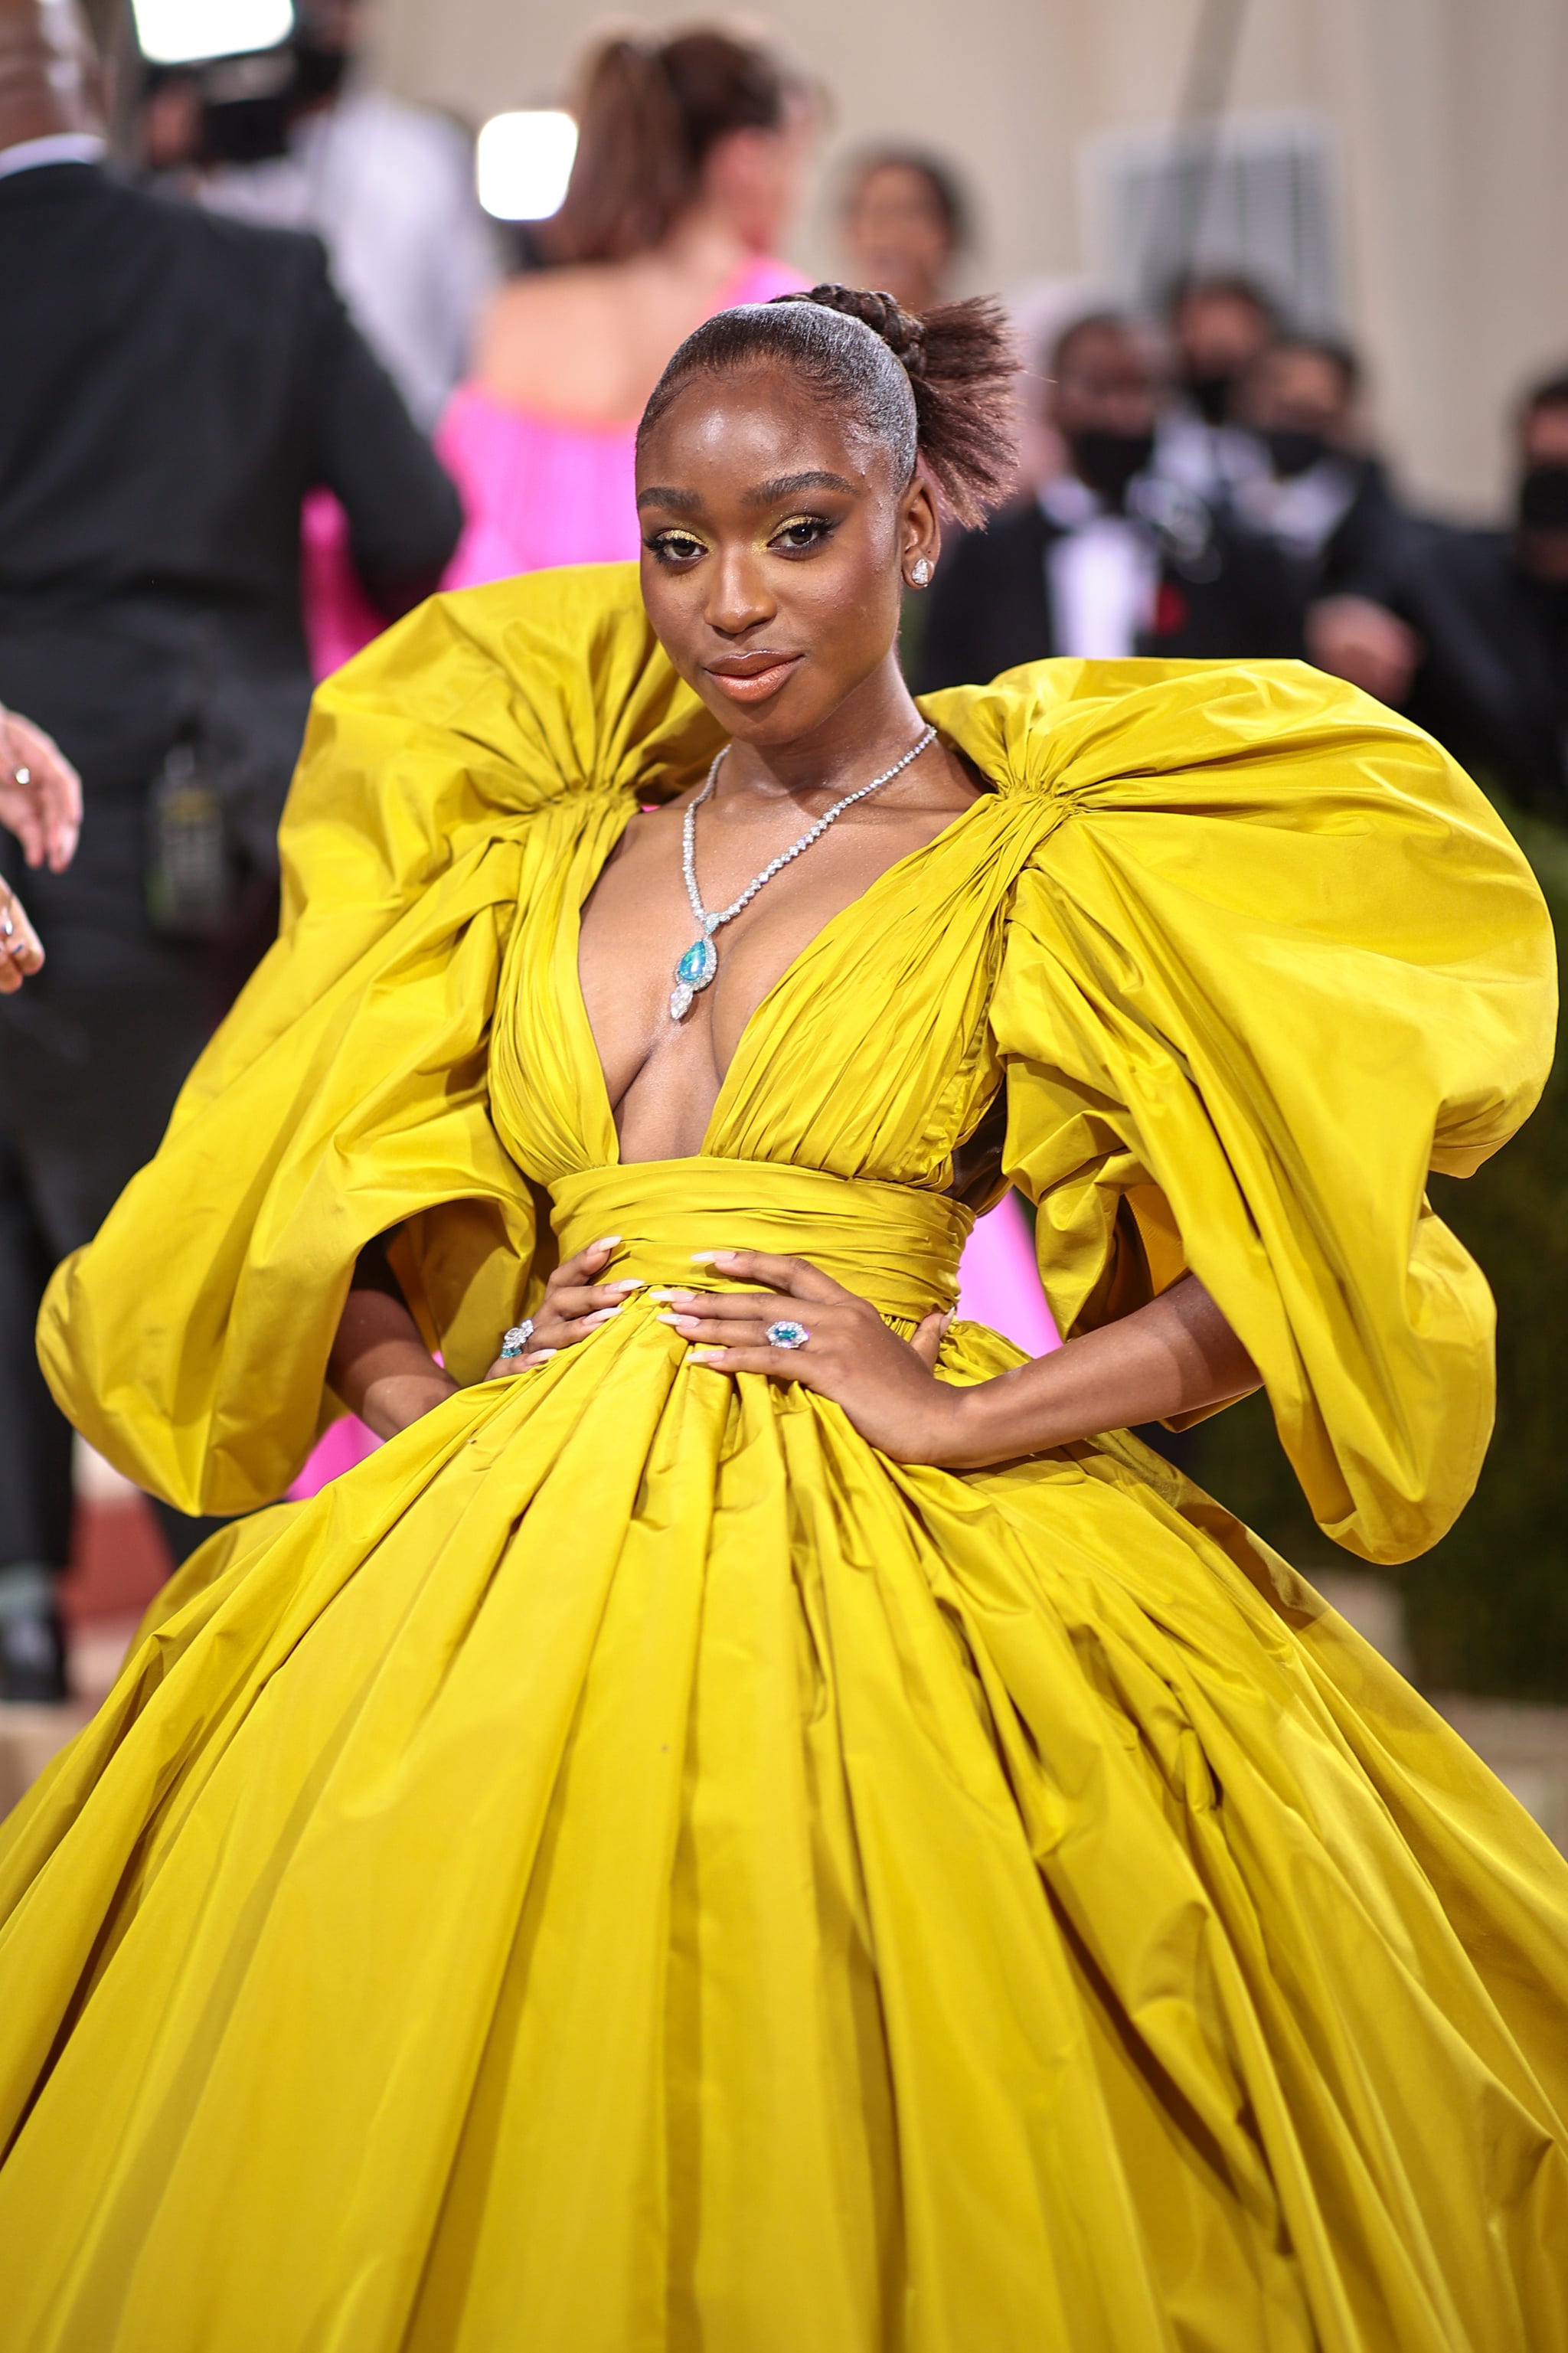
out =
column 514, row 1342
column 787, row 1335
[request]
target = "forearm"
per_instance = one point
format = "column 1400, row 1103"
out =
column 1176, row 1356
column 380, row 1367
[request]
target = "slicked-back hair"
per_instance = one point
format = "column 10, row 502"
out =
column 937, row 390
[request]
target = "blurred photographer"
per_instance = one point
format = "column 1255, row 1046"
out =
column 173, row 386
column 1325, row 502
column 298, row 139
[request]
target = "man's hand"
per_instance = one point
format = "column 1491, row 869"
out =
column 1357, row 639
column 40, row 794
column 19, row 950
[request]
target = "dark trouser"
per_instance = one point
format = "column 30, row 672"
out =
column 88, row 1079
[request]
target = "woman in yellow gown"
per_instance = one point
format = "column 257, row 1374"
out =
column 787, row 1854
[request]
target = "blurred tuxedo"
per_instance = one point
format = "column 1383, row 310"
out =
column 1334, row 516
column 173, row 384
column 1074, row 572
column 1492, row 683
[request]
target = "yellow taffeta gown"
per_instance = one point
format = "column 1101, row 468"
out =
column 629, row 1867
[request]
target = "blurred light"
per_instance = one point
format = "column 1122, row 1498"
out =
column 181, row 32
column 523, row 162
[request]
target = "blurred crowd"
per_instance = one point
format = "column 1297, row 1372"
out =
column 276, row 376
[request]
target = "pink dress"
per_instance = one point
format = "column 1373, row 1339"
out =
column 538, row 490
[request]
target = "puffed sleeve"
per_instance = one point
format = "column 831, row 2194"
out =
column 346, row 1094
column 1277, row 959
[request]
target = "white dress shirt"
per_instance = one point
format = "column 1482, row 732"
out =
column 1102, row 576
column 1301, row 512
column 56, row 147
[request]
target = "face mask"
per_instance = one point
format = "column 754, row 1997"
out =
column 1211, row 397
column 1544, row 499
column 1293, row 449
column 1108, row 461
column 318, row 71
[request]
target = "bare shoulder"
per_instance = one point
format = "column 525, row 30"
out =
column 552, row 341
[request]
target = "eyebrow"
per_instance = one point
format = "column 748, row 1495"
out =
column 766, row 494
column 786, row 486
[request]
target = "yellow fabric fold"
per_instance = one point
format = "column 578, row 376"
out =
column 348, row 1093
column 1283, row 959
column 888, row 1243
column 1252, row 954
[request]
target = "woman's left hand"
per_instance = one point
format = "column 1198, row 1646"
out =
column 885, row 1385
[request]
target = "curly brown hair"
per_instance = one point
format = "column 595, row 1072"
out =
column 938, row 390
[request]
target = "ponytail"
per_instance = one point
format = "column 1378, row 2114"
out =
column 630, row 177
column 648, row 114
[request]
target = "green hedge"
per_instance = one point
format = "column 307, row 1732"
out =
column 1488, row 1608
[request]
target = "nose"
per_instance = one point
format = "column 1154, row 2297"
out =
column 737, row 598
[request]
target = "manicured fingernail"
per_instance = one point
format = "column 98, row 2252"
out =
column 681, row 1323
column 707, row 1358
column 667, row 1294
column 605, row 1241
column 711, row 1257
column 603, row 1314
column 626, row 1283
column 541, row 1355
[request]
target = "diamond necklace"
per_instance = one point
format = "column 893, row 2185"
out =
column 698, row 965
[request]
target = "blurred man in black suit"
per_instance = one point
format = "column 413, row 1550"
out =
column 1111, row 558
column 173, row 387
column 1326, row 503
column 1218, row 324
column 1491, row 610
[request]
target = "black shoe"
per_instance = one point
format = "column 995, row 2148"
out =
column 33, row 1658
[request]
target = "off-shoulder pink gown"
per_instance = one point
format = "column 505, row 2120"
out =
column 539, row 491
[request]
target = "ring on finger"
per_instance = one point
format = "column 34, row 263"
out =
column 786, row 1334
column 515, row 1340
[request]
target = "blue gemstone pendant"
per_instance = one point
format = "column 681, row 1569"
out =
column 693, row 973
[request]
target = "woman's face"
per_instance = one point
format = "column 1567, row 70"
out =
column 775, row 545
column 897, row 236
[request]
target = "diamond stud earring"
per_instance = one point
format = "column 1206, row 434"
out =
column 920, row 572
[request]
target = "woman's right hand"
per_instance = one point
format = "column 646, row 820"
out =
column 575, row 1304
column 20, row 951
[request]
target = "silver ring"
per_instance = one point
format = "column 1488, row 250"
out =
column 515, row 1341
column 786, row 1334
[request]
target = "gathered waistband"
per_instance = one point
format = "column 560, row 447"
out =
column 892, row 1244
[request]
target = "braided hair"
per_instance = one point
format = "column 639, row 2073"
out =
column 938, row 390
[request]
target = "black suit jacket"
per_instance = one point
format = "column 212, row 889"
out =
column 172, row 385
column 1368, row 550
column 990, row 609
column 1492, row 685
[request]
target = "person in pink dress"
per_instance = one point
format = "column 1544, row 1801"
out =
column 690, row 158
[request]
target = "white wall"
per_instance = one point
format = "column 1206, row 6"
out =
column 1450, row 117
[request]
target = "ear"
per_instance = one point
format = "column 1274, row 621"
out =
column 919, row 533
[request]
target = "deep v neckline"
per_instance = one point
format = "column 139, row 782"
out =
column 572, row 954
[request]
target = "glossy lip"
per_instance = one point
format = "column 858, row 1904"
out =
column 753, row 677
